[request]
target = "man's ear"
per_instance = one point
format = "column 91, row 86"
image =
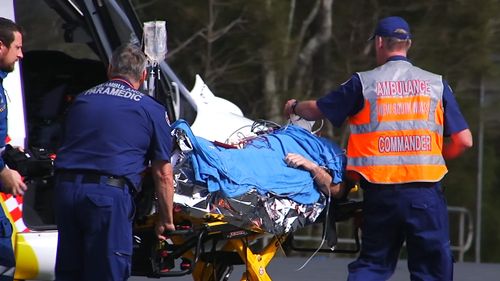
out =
column 110, row 67
column 409, row 45
column 143, row 76
column 379, row 42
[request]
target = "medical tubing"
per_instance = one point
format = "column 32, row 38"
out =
column 237, row 131
column 323, row 239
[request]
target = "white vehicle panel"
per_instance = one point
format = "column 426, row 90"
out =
column 42, row 245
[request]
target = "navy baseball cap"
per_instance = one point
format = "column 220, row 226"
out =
column 395, row 27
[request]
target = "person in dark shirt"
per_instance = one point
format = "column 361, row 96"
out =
column 11, row 43
column 112, row 134
column 399, row 116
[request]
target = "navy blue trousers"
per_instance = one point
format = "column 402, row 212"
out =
column 392, row 215
column 7, row 262
column 95, row 231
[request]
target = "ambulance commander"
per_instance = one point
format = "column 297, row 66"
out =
column 11, row 43
column 112, row 133
column 398, row 115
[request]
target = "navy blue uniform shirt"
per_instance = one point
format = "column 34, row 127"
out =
column 3, row 115
column 116, row 130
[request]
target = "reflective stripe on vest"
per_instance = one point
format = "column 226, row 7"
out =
column 7, row 271
column 397, row 137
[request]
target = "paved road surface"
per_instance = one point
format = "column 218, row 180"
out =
column 335, row 269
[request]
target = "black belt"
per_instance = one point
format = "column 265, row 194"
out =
column 89, row 177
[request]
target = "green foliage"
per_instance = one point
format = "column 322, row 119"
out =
column 454, row 32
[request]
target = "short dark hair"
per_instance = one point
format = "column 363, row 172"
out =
column 7, row 29
column 128, row 61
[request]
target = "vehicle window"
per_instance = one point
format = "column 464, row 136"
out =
column 58, row 64
column 46, row 30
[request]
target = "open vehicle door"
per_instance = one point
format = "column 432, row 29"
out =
column 45, row 83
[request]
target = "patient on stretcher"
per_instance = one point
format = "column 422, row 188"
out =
column 277, row 182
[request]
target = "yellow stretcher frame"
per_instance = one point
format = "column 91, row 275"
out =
column 255, row 261
column 237, row 247
column 187, row 245
column 235, row 241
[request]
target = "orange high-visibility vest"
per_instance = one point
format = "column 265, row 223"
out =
column 397, row 137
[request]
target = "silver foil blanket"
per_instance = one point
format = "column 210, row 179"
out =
column 270, row 213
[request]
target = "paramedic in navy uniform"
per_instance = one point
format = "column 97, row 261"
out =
column 112, row 133
column 398, row 115
column 11, row 43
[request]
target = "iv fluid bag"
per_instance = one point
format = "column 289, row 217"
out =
column 155, row 40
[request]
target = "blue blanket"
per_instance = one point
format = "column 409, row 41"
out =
column 260, row 164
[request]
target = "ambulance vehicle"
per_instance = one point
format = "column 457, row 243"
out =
column 65, row 54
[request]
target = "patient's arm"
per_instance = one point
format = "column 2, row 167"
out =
column 321, row 176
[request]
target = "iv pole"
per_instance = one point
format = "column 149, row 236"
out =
column 155, row 48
